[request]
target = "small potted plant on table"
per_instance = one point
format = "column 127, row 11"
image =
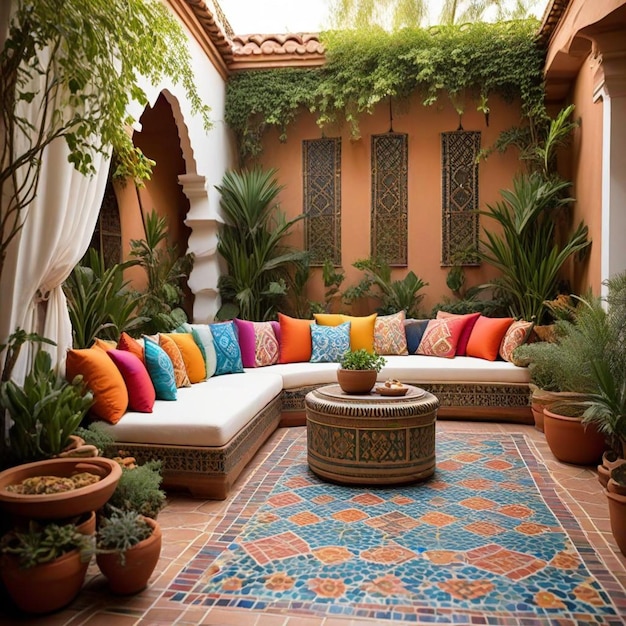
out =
column 358, row 370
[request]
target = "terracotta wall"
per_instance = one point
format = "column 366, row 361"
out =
column 424, row 125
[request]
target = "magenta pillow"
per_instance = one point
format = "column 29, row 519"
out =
column 141, row 393
column 470, row 320
column 258, row 342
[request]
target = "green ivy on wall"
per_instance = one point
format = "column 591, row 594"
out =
column 364, row 67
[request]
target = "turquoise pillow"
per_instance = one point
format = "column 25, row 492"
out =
column 329, row 343
column 227, row 348
column 161, row 370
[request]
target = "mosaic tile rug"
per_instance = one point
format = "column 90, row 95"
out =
column 485, row 541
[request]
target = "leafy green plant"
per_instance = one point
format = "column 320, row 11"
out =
column 42, row 544
column 362, row 360
column 251, row 244
column 95, row 434
column 100, row 301
column 45, row 411
column 120, row 531
column 395, row 295
column 160, row 303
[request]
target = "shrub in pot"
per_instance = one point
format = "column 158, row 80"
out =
column 358, row 370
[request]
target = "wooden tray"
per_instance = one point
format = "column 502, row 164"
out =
column 391, row 391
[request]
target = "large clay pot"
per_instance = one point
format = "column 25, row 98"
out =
column 617, row 515
column 571, row 441
column 46, row 587
column 139, row 563
column 356, row 381
column 610, row 461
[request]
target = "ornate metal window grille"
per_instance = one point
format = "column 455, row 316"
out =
column 459, row 203
column 322, row 199
column 390, row 198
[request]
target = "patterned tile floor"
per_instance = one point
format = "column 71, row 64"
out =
column 188, row 523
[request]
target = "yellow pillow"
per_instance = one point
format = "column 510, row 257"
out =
column 361, row 328
column 104, row 380
column 192, row 356
column 173, row 351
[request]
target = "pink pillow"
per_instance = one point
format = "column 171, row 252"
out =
column 441, row 337
column 141, row 394
column 470, row 320
column 258, row 342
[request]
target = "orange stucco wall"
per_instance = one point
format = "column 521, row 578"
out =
column 423, row 125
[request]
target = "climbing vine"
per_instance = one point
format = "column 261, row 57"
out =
column 364, row 67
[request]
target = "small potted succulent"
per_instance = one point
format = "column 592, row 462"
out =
column 358, row 370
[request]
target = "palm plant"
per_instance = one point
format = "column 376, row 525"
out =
column 251, row 244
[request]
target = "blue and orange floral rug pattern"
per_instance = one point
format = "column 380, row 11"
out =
column 485, row 541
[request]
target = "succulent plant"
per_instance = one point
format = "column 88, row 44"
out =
column 121, row 531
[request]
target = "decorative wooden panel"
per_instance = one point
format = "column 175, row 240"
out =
column 390, row 198
column 322, row 199
column 107, row 236
column 459, row 204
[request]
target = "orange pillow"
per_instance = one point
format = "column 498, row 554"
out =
column 361, row 328
column 486, row 337
column 470, row 320
column 295, row 339
column 441, row 337
column 195, row 364
column 103, row 344
column 104, row 380
column 126, row 342
column 173, row 351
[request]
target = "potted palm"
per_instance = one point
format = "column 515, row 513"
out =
column 358, row 370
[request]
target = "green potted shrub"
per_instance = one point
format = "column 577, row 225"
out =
column 43, row 567
column 358, row 370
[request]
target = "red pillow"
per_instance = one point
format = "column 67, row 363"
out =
column 470, row 320
column 486, row 337
column 295, row 339
column 141, row 394
column 126, row 342
column 441, row 337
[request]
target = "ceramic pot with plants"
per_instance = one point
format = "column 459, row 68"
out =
column 358, row 370
column 43, row 567
column 128, row 549
column 616, row 496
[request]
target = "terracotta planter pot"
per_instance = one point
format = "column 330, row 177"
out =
column 356, row 381
column 571, row 441
column 609, row 463
column 140, row 562
column 617, row 515
column 47, row 587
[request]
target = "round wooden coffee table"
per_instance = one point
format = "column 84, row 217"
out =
column 371, row 439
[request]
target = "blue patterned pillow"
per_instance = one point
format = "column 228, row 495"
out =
column 227, row 348
column 161, row 370
column 414, row 330
column 330, row 343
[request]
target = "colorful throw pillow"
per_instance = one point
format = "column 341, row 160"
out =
column 329, row 343
column 226, row 348
column 161, row 370
column 470, row 320
column 486, row 337
column 204, row 338
column 126, row 342
column 141, row 393
column 361, row 328
column 441, row 337
column 414, row 331
column 295, row 339
column 103, row 379
column 103, row 344
column 258, row 343
column 389, row 335
column 516, row 335
column 192, row 356
column 173, row 351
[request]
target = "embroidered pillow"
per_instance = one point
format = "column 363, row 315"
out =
column 126, row 342
column 414, row 331
column 141, row 393
column 441, row 337
column 329, row 343
column 204, row 338
column 161, row 370
column 192, row 356
column 103, row 379
column 389, row 335
column 226, row 348
column 486, row 337
column 470, row 320
column 295, row 339
column 516, row 335
column 361, row 328
column 173, row 351
column 258, row 343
